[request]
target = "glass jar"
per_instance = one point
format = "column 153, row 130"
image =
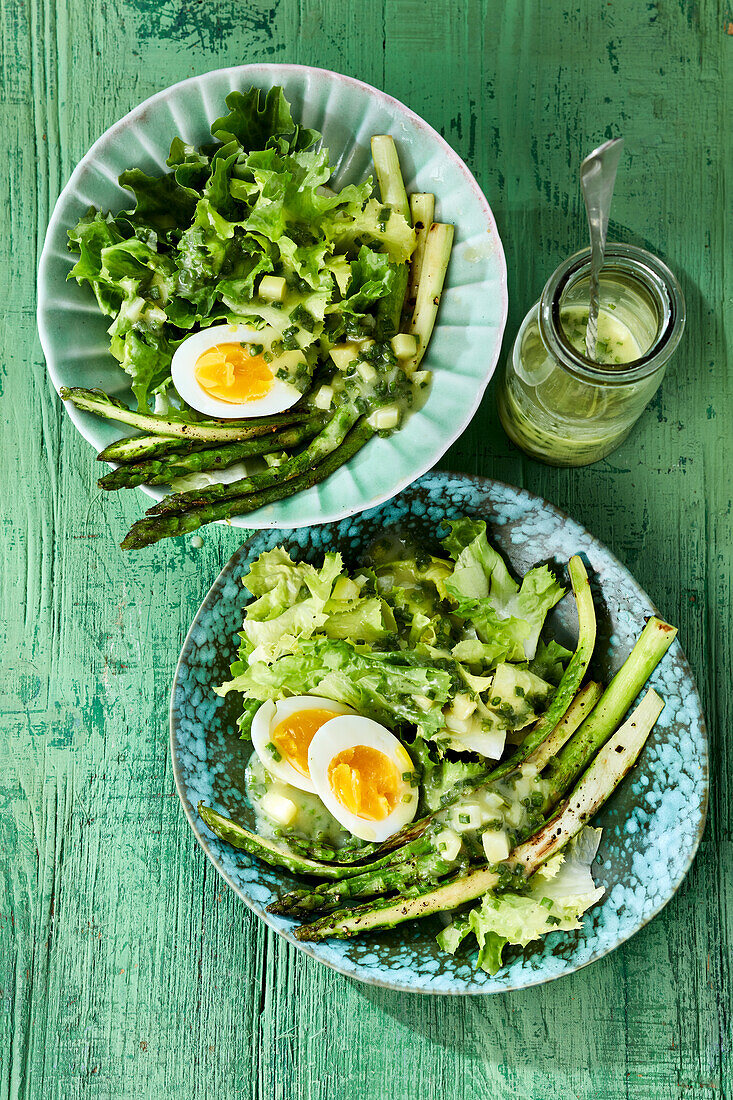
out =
column 565, row 409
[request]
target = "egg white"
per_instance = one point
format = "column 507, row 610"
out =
column 349, row 732
column 269, row 716
column 280, row 396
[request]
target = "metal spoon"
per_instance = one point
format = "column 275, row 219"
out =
column 597, row 177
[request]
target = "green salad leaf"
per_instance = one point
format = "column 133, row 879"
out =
column 198, row 239
column 393, row 640
column 503, row 615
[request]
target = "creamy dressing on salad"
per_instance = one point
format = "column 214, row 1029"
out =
column 511, row 806
column 312, row 820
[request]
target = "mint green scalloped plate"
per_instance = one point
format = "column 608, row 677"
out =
column 465, row 345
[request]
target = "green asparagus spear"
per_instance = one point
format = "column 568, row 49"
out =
column 438, row 245
column 576, row 713
column 428, row 868
column 277, row 855
column 134, row 448
column 163, row 471
column 595, row 787
column 392, row 188
column 422, row 209
column 206, row 431
column 389, row 174
column 152, row 529
column 327, row 440
column 653, row 643
column 604, row 774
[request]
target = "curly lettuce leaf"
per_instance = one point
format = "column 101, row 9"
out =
column 372, row 276
column 386, row 687
column 550, row 660
column 161, row 203
column 502, row 613
column 441, row 774
column 257, row 118
column 558, row 895
column 394, row 236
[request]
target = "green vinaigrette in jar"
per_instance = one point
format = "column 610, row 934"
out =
column 563, row 408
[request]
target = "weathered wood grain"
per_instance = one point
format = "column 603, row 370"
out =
column 127, row 968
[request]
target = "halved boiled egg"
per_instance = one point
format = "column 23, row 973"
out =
column 363, row 776
column 230, row 371
column 282, row 734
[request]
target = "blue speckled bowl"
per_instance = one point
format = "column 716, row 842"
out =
column 651, row 827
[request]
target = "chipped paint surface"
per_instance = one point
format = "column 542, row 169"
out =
column 127, row 968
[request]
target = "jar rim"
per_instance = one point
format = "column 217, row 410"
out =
column 657, row 280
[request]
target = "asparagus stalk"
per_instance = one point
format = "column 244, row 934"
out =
column 277, row 855
column 389, row 174
column 438, row 245
column 604, row 774
column 202, row 431
column 595, row 788
column 285, row 855
column 162, row 472
column 652, row 644
column 427, row 868
column 422, row 210
column 152, row 529
column 392, row 188
column 327, row 440
column 576, row 713
column 134, row 448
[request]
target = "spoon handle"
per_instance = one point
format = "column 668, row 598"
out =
column 597, row 179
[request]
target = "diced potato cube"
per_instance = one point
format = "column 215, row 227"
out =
column 496, row 845
column 278, row 808
column 367, row 371
column 465, row 816
column 272, row 288
column 404, row 345
column 449, row 844
column 323, row 398
column 343, row 355
column 383, row 420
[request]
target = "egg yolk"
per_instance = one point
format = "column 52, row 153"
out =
column 229, row 373
column 292, row 737
column 365, row 781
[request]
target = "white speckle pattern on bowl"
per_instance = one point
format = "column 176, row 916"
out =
column 651, row 827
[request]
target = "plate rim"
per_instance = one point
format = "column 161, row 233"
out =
column 485, row 483
column 231, row 72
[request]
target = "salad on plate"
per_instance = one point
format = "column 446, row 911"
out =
column 422, row 745
column 269, row 324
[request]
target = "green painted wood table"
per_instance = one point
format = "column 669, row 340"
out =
column 127, row 968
